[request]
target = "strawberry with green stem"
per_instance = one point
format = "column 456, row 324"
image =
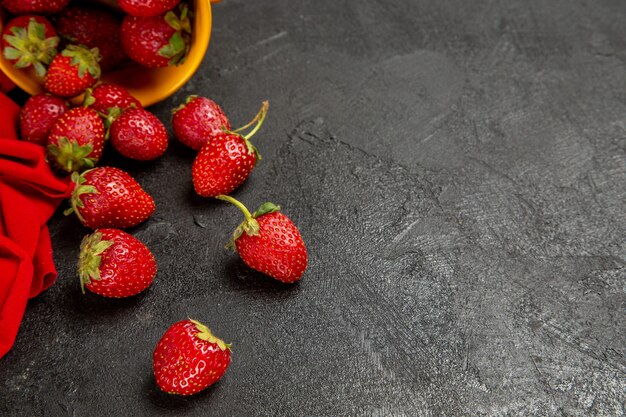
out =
column 158, row 41
column 227, row 160
column 113, row 263
column 109, row 197
column 268, row 242
column 76, row 140
column 72, row 71
column 197, row 121
column 189, row 358
column 30, row 40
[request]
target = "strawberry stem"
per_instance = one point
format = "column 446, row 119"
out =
column 249, row 225
column 260, row 117
column 264, row 108
column 238, row 204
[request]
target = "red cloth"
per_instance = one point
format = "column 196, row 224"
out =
column 29, row 194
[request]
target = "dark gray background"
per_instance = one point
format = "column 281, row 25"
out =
column 457, row 170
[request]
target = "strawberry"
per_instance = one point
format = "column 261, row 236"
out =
column 72, row 71
column 269, row 242
column 197, row 121
column 38, row 115
column 76, row 139
column 34, row 6
column 30, row 40
column 109, row 197
column 147, row 7
column 189, row 358
column 226, row 161
column 105, row 96
column 93, row 28
column 157, row 41
column 113, row 263
column 138, row 134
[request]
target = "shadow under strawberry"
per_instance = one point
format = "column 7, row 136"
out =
column 238, row 276
column 93, row 305
column 162, row 400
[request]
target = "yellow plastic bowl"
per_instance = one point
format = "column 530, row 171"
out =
column 149, row 86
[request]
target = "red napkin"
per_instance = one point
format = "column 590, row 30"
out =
column 29, row 194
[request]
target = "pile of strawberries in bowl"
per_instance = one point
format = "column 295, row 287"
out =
column 69, row 46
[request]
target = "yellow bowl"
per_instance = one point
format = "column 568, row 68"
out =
column 149, row 86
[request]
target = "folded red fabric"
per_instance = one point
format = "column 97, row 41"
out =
column 30, row 192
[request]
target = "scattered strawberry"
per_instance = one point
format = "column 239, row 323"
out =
column 157, row 41
column 30, row 40
column 76, row 139
column 109, row 197
column 147, row 7
column 226, row 161
column 93, row 28
column 113, row 263
column 197, row 121
column 105, row 97
column 269, row 242
column 189, row 358
column 73, row 71
column 34, row 6
column 38, row 115
column 138, row 134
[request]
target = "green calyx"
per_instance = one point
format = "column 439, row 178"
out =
column 80, row 188
column 257, row 122
column 91, row 249
column 178, row 46
column 250, row 225
column 183, row 105
column 205, row 334
column 29, row 46
column 70, row 156
column 86, row 60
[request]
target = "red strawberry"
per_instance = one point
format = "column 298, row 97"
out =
column 269, row 242
column 73, row 71
column 147, row 7
column 157, row 41
column 113, row 263
column 197, row 121
column 189, row 358
column 109, row 197
column 138, row 134
column 34, row 6
column 38, row 115
column 226, row 161
column 94, row 28
column 104, row 97
column 30, row 40
column 76, row 139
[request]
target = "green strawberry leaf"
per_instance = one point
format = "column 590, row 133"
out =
column 265, row 209
column 91, row 249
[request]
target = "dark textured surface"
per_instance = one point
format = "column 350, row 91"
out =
column 458, row 172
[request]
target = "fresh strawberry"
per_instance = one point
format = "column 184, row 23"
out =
column 157, row 41
column 147, row 7
column 189, row 358
column 138, row 134
column 105, row 97
column 72, row 71
column 30, row 40
column 197, row 121
column 226, row 161
column 38, row 115
column 93, row 28
column 109, row 197
column 269, row 242
column 34, row 6
column 113, row 263
column 76, row 139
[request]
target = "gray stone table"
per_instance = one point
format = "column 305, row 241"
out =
column 458, row 171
